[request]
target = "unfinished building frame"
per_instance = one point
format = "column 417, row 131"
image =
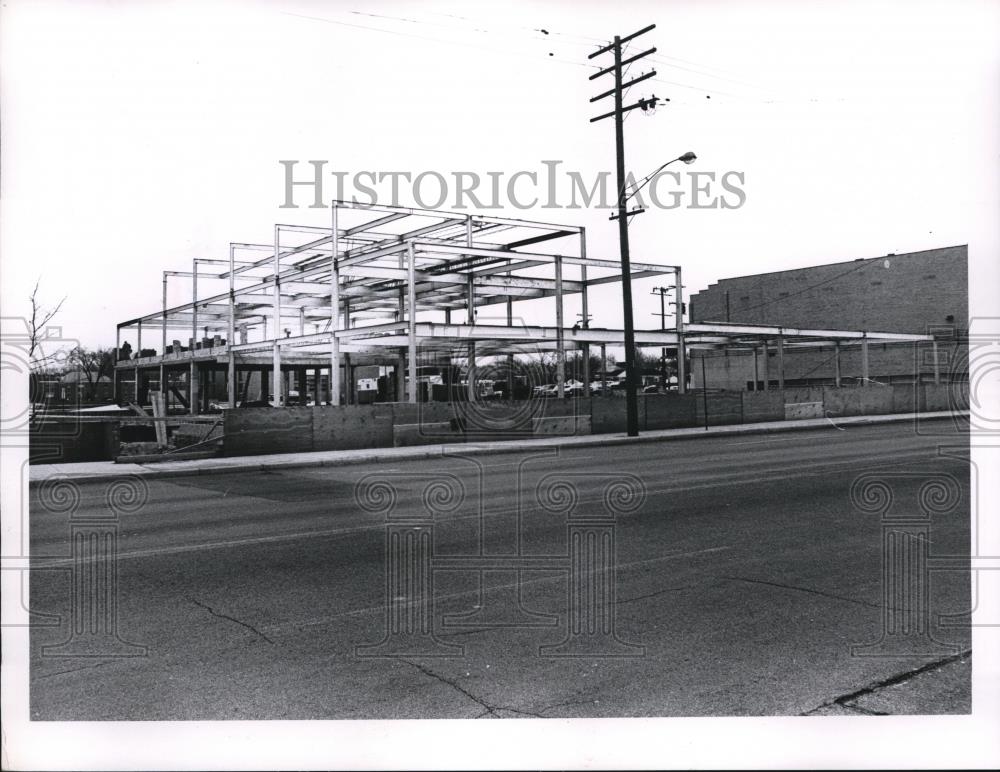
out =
column 382, row 283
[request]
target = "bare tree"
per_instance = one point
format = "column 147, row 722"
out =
column 93, row 364
column 40, row 317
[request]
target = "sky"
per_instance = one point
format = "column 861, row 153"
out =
column 137, row 136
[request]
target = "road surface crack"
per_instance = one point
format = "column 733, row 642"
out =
column 567, row 703
column 489, row 710
column 848, row 700
column 803, row 589
column 76, row 669
column 658, row 592
column 220, row 615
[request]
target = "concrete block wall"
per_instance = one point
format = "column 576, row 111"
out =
column 561, row 426
column 798, row 411
column 350, row 427
column 873, row 400
column 667, row 411
column 723, row 409
column 763, row 406
column 303, row 429
column 254, row 431
column 69, row 440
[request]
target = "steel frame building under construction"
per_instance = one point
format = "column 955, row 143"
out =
column 382, row 284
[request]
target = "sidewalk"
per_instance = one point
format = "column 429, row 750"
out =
column 102, row 470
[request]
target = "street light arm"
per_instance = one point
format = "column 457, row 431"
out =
column 686, row 158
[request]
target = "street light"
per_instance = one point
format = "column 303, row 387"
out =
column 631, row 382
column 688, row 158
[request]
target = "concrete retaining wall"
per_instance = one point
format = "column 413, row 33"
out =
column 607, row 414
column 253, row 431
column 797, row 411
column 303, row 429
column 763, row 406
column 723, row 409
column 63, row 441
column 561, row 426
column 405, row 435
column 667, row 411
column 352, row 426
column 871, row 400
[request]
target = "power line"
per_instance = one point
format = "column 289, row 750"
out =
column 476, row 45
column 862, row 264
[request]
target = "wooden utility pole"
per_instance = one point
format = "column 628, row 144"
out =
column 631, row 381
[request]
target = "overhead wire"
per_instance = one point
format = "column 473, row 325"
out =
column 861, row 264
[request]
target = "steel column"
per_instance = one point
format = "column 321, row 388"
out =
column 681, row 352
column 194, row 306
column 334, row 310
column 231, row 333
column 411, row 318
column 471, row 318
column 510, row 357
column 560, row 334
column 193, row 387
column 767, row 367
column 584, row 311
column 781, row 364
column 276, row 320
column 163, row 344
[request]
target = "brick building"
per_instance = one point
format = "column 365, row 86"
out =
column 920, row 292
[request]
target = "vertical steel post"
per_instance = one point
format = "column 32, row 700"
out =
column 781, row 363
column 350, row 385
column 401, row 359
column 937, row 366
column 334, row 308
column 836, row 363
column 231, row 332
column 193, row 387
column 276, row 320
column 864, row 361
column 510, row 357
column 138, row 356
column 401, row 374
column 679, row 318
column 411, row 318
column 767, row 367
column 704, row 389
column 118, row 345
column 585, row 311
column 471, row 318
column 194, row 306
column 663, row 326
column 560, row 342
column 163, row 340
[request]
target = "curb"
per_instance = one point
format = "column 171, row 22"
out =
column 493, row 449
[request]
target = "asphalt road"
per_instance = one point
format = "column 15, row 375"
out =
column 746, row 575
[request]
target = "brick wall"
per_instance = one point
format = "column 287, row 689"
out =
column 915, row 293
